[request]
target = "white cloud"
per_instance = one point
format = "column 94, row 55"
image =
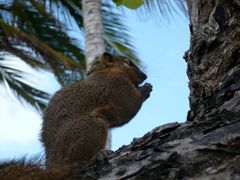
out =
column 19, row 128
column 20, row 124
column 17, row 123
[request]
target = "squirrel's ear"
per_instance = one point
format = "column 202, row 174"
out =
column 107, row 59
column 107, row 55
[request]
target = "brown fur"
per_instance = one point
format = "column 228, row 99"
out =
column 26, row 170
column 77, row 118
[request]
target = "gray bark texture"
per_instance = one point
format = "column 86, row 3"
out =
column 207, row 145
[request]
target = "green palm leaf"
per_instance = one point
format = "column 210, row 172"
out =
column 30, row 32
column 163, row 8
column 117, row 39
column 33, row 27
column 13, row 78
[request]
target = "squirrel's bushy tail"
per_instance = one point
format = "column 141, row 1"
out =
column 33, row 169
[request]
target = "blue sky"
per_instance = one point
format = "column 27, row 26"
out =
column 161, row 46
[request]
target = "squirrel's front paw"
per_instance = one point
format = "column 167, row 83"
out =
column 146, row 90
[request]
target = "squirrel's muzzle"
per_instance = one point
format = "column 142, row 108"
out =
column 144, row 76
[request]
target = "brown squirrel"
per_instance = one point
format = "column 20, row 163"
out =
column 77, row 118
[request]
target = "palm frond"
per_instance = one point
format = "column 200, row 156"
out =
column 162, row 8
column 31, row 27
column 13, row 78
column 72, row 11
column 117, row 39
column 29, row 31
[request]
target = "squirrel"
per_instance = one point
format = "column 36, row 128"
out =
column 77, row 118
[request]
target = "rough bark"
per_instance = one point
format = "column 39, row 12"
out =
column 207, row 145
column 169, row 152
column 213, row 60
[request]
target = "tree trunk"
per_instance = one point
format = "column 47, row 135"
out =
column 93, row 26
column 207, row 145
column 213, row 60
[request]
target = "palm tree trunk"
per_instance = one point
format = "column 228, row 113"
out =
column 94, row 36
column 93, row 26
column 213, row 59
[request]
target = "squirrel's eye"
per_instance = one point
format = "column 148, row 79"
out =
column 129, row 63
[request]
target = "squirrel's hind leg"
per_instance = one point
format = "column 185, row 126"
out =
column 82, row 139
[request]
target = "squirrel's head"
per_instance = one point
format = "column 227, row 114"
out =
column 118, row 64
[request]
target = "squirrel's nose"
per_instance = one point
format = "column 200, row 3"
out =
column 144, row 76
